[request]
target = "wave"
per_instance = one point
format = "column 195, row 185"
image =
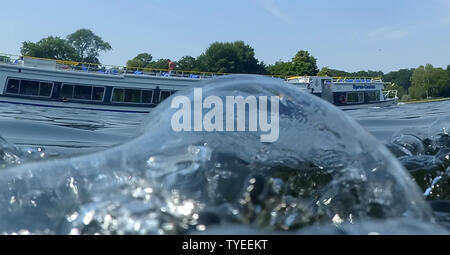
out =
column 324, row 170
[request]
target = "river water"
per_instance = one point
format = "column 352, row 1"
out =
column 67, row 171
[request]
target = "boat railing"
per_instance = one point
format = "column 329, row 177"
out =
column 390, row 94
column 339, row 80
column 356, row 79
column 65, row 65
column 74, row 66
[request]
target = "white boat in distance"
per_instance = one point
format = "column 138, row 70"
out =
column 67, row 84
column 347, row 93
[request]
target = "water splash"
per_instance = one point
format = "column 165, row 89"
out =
column 431, row 167
column 439, row 133
column 11, row 155
column 8, row 154
column 323, row 170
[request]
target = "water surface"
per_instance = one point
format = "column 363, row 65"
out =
column 83, row 172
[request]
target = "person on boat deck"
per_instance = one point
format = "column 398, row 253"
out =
column 18, row 61
column 172, row 66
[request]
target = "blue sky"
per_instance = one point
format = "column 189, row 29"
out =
column 349, row 35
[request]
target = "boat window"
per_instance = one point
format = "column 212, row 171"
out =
column 13, row 86
column 164, row 95
column 29, row 88
column 132, row 96
column 117, row 95
column 136, row 96
column 355, row 97
column 147, row 96
column 82, row 92
column 373, row 96
column 45, row 89
column 97, row 93
column 67, row 91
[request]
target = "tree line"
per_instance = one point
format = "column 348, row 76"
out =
column 238, row 57
column 81, row 46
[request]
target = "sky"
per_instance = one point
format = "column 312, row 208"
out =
column 348, row 35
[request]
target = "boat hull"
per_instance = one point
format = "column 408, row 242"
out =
column 116, row 108
column 386, row 103
column 73, row 105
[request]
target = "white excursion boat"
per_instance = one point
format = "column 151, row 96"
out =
column 347, row 93
column 68, row 84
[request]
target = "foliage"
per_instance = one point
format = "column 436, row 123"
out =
column 401, row 77
column 281, row 68
column 304, row 64
column 234, row 57
column 188, row 63
column 142, row 60
column 442, row 81
column 448, row 71
column 82, row 45
column 160, row 64
column 50, row 47
column 230, row 57
column 428, row 81
column 301, row 64
column 368, row 74
column 419, row 83
column 326, row 71
column 87, row 45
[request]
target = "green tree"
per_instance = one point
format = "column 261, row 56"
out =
column 87, row 45
column 142, row 60
column 304, row 64
column 367, row 74
column 50, row 47
column 401, row 77
column 230, row 57
column 188, row 63
column 446, row 90
column 428, row 81
column 429, row 85
column 160, row 64
column 325, row 71
column 281, row 68
column 440, row 82
column 337, row 73
column 418, row 87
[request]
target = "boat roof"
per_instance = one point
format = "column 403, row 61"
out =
column 74, row 66
column 92, row 68
column 338, row 79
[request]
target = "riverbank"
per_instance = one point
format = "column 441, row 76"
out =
column 425, row 100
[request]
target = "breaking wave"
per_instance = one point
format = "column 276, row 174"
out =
column 325, row 174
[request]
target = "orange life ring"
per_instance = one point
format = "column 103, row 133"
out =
column 342, row 99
